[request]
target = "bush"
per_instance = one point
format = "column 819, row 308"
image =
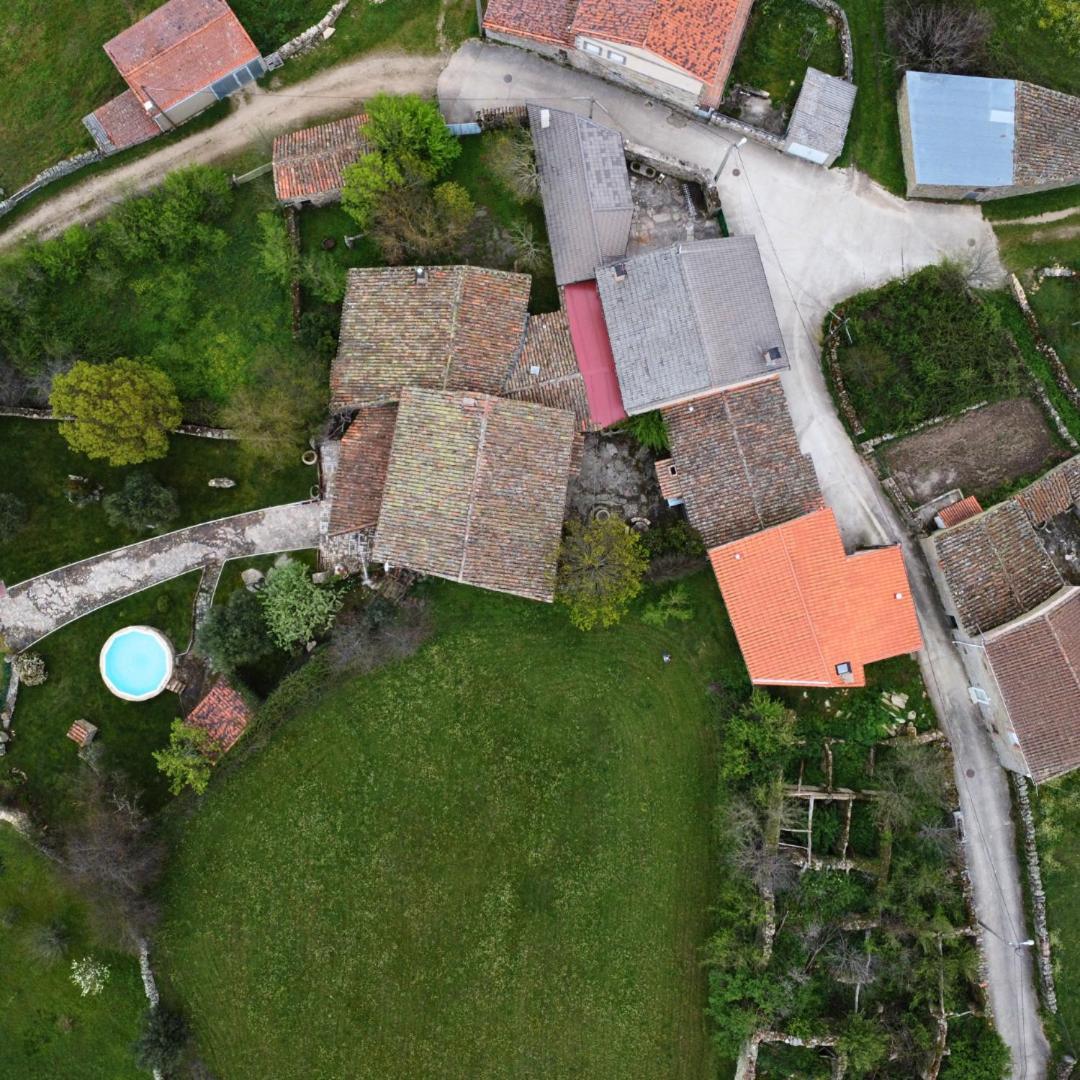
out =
column 416, row 222
column 296, row 609
column 13, row 516
column 864, row 1043
column 674, row 604
column 30, row 668
column 141, row 504
column 235, row 633
column 49, row 943
column 649, row 429
column 976, row 1051
column 276, row 249
column 600, row 570
column 162, row 1042
column 756, row 739
column 674, row 538
column 186, row 761
column 121, row 411
column 510, row 158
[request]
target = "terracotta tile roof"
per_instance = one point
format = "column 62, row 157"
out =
column 801, row 606
column 82, row 732
column 363, row 456
column 699, row 36
column 1046, row 148
column 667, row 476
column 476, row 490
column 179, row 49
column 543, row 20
column 959, row 511
column 461, row 329
column 124, row 122
column 310, row 163
column 739, row 462
column 1053, row 493
column 223, row 712
column 1036, row 662
column 558, row 383
column 995, row 567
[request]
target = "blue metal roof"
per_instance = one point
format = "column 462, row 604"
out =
column 962, row 128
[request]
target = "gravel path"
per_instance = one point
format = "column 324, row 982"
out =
column 259, row 114
column 35, row 608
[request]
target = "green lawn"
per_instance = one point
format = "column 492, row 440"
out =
column 128, row 731
column 1021, row 48
column 38, row 462
column 1057, row 307
column 873, row 140
column 492, row 859
column 783, row 39
column 1028, row 247
column 47, row 1029
column 1040, row 202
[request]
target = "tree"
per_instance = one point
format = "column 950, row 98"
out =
column 186, row 761
column 600, row 568
column 416, row 222
column 162, row 1042
column 297, row 609
column 30, row 668
column 274, row 414
column 530, row 253
column 141, row 504
column 121, row 411
column 756, row 738
column 509, row 155
column 936, row 37
column 324, row 278
column 13, row 516
column 863, row 1044
column 976, row 1052
column 234, row 633
column 674, row 604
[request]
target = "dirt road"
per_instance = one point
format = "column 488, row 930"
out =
column 259, row 114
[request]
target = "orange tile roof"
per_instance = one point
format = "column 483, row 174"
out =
column 312, row 162
column 959, row 511
column 224, row 713
column 542, row 20
column 801, row 606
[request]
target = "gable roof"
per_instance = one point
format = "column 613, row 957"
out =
column 223, row 712
column 1047, row 147
column 699, row 37
column 800, row 605
column 585, row 187
column 1053, row 493
column 959, row 511
column 1036, row 662
column 179, row 49
column 995, row 567
column 592, row 349
column 822, row 113
column 476, row 490
column 120, row 123
column 460, row 328
column 311, row 162
column 543, row 20
column 689, row 319
column 738, row 462
column 363, row 457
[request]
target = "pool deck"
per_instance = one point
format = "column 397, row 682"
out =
column 37, row 607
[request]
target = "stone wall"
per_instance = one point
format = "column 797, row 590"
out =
column 47, row 176
column 308, row 40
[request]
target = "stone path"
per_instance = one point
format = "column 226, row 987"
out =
column 36, row 607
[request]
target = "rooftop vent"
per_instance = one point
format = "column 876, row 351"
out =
column 534, row 369
column 843, row 669
column 421, row 275
column 545, row 118
column 620, row 271
column 773, row 356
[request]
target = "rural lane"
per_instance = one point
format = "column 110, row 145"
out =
column 825, row 234
column 257, row 115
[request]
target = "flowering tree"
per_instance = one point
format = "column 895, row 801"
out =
column 89, row 975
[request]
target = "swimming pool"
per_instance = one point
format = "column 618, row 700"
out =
column 137, row 663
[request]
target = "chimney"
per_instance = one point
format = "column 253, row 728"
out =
column 620, row 271
column 421, row 275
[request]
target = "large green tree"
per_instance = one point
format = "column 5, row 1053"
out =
column 120, row 411
column 601, row 565
column 235, row 633
column 142, row 503
column 187, row 760
column 297, row 609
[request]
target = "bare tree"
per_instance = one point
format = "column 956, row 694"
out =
column 751, row 854
column 510, row 157
column 937, row 37
column 853, row 966
column 530, row 253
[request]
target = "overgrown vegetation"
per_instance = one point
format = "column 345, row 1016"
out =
column 921, row 347
column 601, row 564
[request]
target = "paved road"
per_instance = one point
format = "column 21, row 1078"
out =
column 825, row 234
column 35, row 608
column 257, row 115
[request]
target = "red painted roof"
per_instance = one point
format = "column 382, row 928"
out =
column 588, row 331
column 959, row 511
column 801, row 606
column 180, row 48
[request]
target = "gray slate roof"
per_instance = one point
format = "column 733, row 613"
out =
column 822, row 113
column 586, row 191
column 689, row 319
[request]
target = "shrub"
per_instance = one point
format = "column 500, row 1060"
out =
column 121, row 411
column 673, row 538
column 162, row 1042
column 509, row 156
column 186, row 761
column 324, row 278
column 141, row 504
column 756, row 739
column 234, row 633
column 276, row 249
column 89, row 975
column 864, row 1043
column 30, row 668
column 49, row 942
column 13, row 516
column 417, row 222
column 674, row 604
column 600, row 570
column 296, row 609
column 976, row 1051
column 649, row 429
column 530, row 252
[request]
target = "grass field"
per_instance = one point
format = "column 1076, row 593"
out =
column 492, row 859
column 128, row 731
column 47, row 1029
column 1021, row 48
column 1039, row 202
column 37, row 463
column 771, row 56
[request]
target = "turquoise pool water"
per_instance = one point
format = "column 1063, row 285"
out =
column 136, row 663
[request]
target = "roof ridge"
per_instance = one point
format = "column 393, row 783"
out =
column 802, row 599
column 714, row 375
column 176, row 45
column 454, row 310
column 486, row 408
column 742, row 461
column 588, row 188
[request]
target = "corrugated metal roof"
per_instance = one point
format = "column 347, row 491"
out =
column 592, row 347
column 962, row 128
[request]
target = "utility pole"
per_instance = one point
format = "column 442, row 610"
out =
column 723, row 164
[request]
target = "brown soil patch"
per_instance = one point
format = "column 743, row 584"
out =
column 978, row 452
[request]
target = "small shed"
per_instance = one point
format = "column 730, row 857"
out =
column 820, row 119
column 309, row 165
column 223, row 713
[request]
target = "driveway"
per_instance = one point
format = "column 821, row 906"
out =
column 34, row 608
column 256, row 116
column 825, row 234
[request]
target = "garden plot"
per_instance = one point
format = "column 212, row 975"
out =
column 981, row 452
